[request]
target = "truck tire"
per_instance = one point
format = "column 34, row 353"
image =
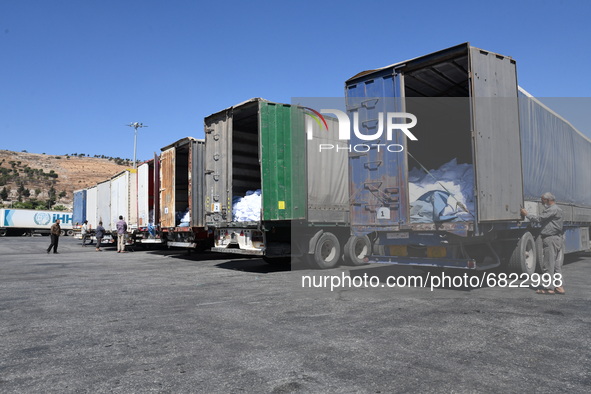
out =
column 62, row 232
column 356, row 249
column 523, row 258
column 69, row 233
column 327, row 252
column 539, row 254
column 3, row 232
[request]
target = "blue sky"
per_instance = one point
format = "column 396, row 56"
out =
column 73, row 73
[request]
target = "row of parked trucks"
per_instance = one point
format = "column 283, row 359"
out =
column 329, row 196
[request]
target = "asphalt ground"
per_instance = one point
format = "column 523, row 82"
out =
column 166, row 321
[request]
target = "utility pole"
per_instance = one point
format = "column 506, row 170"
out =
column 135, row 125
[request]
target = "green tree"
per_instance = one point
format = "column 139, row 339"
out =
column 52, row 197
column 4, row 193
column 60, row 208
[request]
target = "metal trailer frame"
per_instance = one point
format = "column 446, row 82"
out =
column 148, row 203
column 258, row 144
column 181, row 188
column 489, row 81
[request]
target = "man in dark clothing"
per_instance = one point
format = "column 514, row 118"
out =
column 551, row 220
column 121, row 233
column 99, row 233
column 55, row 236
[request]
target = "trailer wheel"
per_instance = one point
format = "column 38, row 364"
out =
column 327, row 252
column 539, row 254
column 523, row 258
column 62, row 232
column 356, row 249
column 69, row 233
column 3, row 232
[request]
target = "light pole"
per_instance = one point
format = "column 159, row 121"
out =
column 135, row 125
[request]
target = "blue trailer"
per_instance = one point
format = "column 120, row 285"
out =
column 473, row 121
column 79, row 207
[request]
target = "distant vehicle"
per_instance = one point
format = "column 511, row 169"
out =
column 30, row 221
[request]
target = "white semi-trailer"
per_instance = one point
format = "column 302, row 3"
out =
column 29, row 221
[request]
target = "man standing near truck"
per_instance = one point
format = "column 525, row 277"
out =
column 551, row 220
column 99, row 234
column 55, row 232
column 85, row 233
column 121, row 232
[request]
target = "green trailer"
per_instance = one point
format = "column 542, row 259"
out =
column 274, row 148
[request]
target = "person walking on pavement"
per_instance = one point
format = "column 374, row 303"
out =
column 121, row 232
column 99, row 234
column 55, row 236
column 553, row 242
column 85, row 233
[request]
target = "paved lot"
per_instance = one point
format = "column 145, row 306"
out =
column 165, row 321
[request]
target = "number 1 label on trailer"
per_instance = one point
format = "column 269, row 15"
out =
column 384, row 213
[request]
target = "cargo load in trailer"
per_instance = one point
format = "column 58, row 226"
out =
column 269, row 191
column 29, row 221
column 181, row 195
column 453, row 197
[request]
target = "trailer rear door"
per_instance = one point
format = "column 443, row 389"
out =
column 167, row 183
column 497, row 149
column 378, row 178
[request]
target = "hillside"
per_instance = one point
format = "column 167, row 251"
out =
column 39, row 172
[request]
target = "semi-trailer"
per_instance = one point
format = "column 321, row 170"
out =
column 29, row 221
column 472, row 116
column 79, row 207
column 92, row 207
column 181, row 195
column 258, row 152
column 148, row 197
column 97, row 208
column 103, row 209
column 124, row 199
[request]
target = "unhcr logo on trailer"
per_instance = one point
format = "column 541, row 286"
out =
column 392, row 121
column 42, row 218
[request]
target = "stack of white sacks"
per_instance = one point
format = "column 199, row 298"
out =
column 247, row 208
column 458, row 179
column 186, row 219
